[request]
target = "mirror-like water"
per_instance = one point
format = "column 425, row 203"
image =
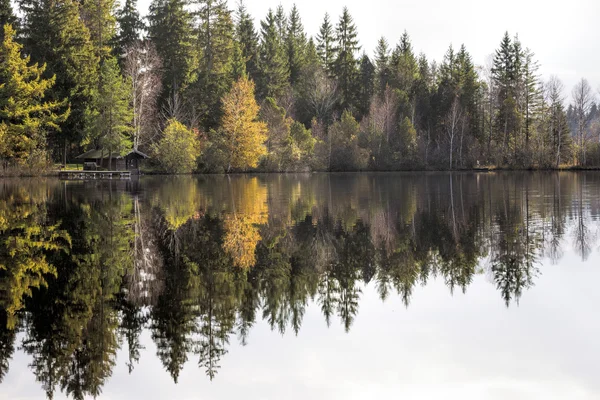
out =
column 320, row 286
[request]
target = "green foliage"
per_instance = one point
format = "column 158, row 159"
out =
column 215, row 54
column 179, row 149
column 7, row 16
column 345, row 66
column 247, row 38
column 346, row 154
column 54, row 35
column 170, row 29
column 130, row 28
column 274, row 75
column 111, row 120
column 25, row 115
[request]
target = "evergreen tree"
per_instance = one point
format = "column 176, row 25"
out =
column 281, row 23
column 248, row 41
column 274, row 72
column 112, row 118
column 326, row 45
column 170, row 29
column 404, row 65
column 100, row 18
column 215, row 51
column 345, row 66
column 295, row 45
column 130, row 28
column 53, row 34
column 25, row 115
column 7, row 16
column 366, row 85
column 382, row 66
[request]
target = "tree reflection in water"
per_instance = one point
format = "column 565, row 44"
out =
column 86, row 268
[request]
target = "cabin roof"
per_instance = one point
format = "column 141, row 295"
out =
column 97, row 154
column 136, row 152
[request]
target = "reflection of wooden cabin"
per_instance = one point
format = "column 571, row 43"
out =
column 99, row 159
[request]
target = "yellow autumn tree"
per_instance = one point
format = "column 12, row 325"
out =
column 243, row 134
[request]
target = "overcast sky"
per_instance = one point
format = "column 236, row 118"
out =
column 565, row 35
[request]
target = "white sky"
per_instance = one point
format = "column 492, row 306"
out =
column 565, row 35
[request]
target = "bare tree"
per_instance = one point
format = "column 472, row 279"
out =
column 452, row 123
column 583, row 99
column 142, row 66
column 320, row 93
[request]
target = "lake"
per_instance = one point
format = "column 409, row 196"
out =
column 316, row 286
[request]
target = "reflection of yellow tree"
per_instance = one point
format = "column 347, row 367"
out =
column 25, row 238
column 249, row 209
column 180, row 200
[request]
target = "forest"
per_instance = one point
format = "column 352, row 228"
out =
column 201, row 87
column 200, row 262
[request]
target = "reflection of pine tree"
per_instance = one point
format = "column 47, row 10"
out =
column 7, row 347
column 132, row 321
column 173, row 318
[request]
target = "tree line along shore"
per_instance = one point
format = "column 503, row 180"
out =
column 201, row 87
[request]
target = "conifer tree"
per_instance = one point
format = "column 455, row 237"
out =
column 7, row 16
column 382, row 66
column 215, row 51
column 111, row 120
column 25, row 115
column 366, row 85
column 274, row 73
column 170, row 29
column 100, row 18
column 248, row 40
column 326, row 45
column 54, row 34
column 295, row 45
column 345, row 66
column 130, row 28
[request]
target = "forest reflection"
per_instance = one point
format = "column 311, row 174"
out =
column 85, row 268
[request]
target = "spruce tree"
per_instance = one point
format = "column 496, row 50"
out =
column 100, row 18
column 274, row 73
column 345, row 66
column 247, row 38
column 215, row 51
column 404, row 65
column 170, row 29
column 54, row 34
column 130, row 28
column 25, row 115
column 326, row 45
column 295, row 45
column 7, row 16
column 382, row 66
column 366, row 85
column 111, row 118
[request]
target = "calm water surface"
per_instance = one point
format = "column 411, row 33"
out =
column 349, row 286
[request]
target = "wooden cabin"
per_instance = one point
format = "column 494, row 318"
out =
column 99, row 160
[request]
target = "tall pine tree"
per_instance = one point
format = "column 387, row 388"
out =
column 130, row 28
column 55, row 35
column 247, row 38
column 274, row 72
column 345, row 66
column 326, row 45
column 170, row 29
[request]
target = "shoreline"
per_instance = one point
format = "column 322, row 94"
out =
column 56, row 173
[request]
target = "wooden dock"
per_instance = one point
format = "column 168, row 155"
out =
column 90, row 175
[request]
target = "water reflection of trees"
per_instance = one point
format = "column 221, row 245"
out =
column 199, row 261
